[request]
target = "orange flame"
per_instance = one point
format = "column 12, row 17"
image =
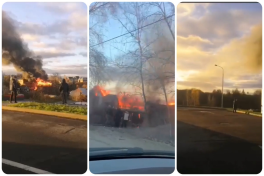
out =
column 127, row 101
column 41, row 82
column 100, row 90
column 172, row 103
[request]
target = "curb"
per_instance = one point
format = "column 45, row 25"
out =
column 244, row 112
column 201, row 107
column 252, row 114
column 49, row 113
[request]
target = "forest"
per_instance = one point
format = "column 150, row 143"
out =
column 196, row 97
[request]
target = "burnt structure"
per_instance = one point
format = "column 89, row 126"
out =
column 99, row 105
column 111, row 100
column 158, row 114
column 155, row 114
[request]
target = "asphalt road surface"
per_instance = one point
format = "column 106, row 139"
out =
column 43, row 143
column 14, row 170
column 108, row 137
column 218, row 142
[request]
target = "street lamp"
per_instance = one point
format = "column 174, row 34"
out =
column 222, row 104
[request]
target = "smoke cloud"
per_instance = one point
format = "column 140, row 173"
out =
column 161, row 67
column 16, row 52
column 252, row 49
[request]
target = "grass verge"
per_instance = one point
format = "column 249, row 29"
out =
column 52, row 107
column 246, row 111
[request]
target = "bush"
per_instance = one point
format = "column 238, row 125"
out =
column 39, row 96
column 53, row 107
column 82, row 98
column 5, row 90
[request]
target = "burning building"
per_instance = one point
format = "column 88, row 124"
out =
column 156, row 113
column 27, row 85
column 101, row 99
column 121, row 100
column 111, row 100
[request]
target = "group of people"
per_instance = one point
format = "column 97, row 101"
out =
column 117, row 116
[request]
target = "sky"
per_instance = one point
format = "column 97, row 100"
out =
column 55, row 31
column 226, row 34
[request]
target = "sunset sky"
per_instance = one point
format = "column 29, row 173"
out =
column 55, row 31
column 226, row 34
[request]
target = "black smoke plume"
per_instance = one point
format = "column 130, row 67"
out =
column 15, row 52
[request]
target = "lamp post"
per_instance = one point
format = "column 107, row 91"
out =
column 222, row 103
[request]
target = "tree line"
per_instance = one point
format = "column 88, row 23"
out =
column 196, row 97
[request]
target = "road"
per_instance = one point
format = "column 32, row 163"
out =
column 100, row 136
column 218, row 142
column 43, row 144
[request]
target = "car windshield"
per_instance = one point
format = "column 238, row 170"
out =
column 132, row 76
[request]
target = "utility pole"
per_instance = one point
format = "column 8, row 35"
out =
column 222, row 101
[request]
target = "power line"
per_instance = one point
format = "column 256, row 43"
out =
column 132, row 31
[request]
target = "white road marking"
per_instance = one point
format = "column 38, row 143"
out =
column 207, row 112
column 24, row 167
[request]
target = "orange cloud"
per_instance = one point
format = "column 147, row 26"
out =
column 240, row 58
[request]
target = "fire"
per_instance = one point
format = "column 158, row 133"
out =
column 100, row 90
column 172, row 103
column 127, row 101
column 41, row 82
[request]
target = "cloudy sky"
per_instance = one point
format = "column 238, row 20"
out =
column 226, row 34
column 55, row 31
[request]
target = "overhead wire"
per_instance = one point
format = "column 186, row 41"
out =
column 131, row 31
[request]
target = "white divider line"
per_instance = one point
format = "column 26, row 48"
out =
column 24, row 167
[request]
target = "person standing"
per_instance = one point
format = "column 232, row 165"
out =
column 125, row 120
column 118, row 117
column 109, row 113
column 64, row 90
column 234, row 106
column 13, row 89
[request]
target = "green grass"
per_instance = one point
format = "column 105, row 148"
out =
column 250, row 112
column 258, row 113
column 231, row 109
column 53, row 107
